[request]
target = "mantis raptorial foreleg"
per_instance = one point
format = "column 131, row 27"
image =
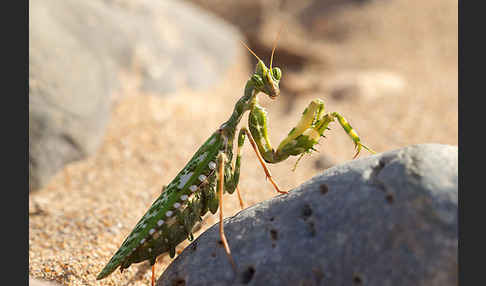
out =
column 302, row 137
column 351, row 133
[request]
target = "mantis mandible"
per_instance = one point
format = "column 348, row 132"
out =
column 200, row 185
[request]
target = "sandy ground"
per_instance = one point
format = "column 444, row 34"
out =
column 79, row 220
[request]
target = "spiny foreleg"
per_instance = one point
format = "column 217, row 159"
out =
column 351, row 133
column 302, row 138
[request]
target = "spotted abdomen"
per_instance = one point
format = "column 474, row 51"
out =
column 174, row 213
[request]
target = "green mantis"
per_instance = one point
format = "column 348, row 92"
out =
column 199, row 186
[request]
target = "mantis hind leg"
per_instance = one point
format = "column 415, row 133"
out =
column 153, row 274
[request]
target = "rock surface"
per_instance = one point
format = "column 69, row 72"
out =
column 389, row 219
column 77, row 51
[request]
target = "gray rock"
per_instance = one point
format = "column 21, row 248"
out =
column 370, row 84
column 181, row 46
column 68, row 92
column 76, row 50
column 388, row 219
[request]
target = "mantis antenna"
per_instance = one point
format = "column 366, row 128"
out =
column 273, row 49
column 248, row 48
column 275, row 44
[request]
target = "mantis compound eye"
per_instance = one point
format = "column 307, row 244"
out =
column 276, row 73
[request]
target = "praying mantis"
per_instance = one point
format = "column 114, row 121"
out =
column 199, row 186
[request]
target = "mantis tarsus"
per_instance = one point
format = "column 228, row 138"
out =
column 200, row 185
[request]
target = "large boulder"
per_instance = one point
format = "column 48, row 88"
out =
column 387, row 219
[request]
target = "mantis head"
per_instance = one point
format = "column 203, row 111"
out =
column 266, row 80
